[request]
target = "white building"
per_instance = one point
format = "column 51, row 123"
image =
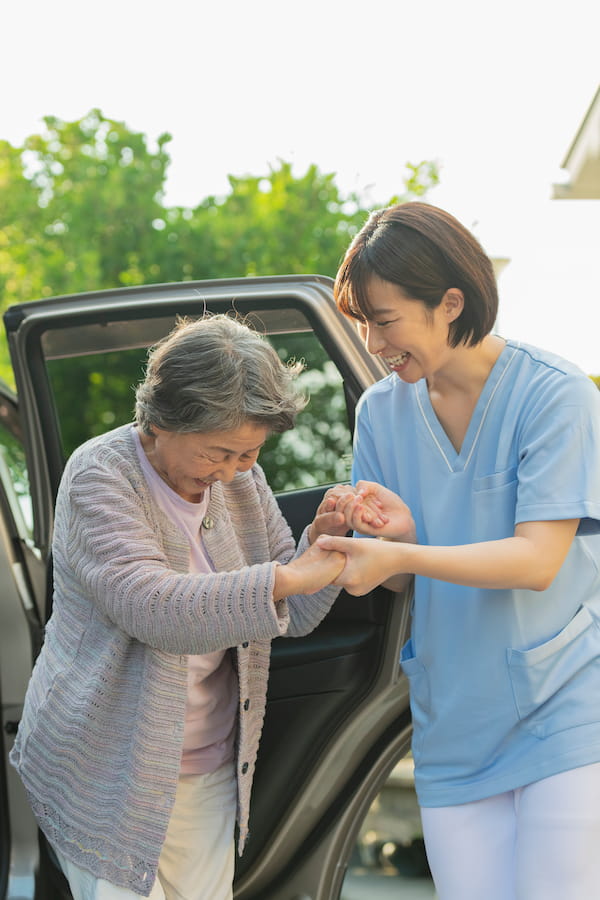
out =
column 582, row 161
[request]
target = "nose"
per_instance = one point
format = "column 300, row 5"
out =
column 227, row 470
column 373, row 339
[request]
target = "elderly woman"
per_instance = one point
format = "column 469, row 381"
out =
column 173, row 571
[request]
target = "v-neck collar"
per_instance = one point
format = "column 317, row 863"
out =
column 458, row 461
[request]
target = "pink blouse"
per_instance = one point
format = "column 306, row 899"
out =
column 212, row 697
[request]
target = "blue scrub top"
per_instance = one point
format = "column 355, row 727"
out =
column 505, row 684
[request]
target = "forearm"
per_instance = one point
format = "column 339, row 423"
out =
column 530, row 559
column 509, row 563
column 306, row 611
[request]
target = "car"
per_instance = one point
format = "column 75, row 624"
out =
column 338, row 716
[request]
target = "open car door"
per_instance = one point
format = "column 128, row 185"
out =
column 22, row 605
column 337, row 714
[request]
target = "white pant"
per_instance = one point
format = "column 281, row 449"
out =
column 197, row 858
column 540, row 842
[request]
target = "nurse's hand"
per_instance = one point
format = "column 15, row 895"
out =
column 373, row 509
column 368, row 563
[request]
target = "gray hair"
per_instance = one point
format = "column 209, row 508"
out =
column 216, row 374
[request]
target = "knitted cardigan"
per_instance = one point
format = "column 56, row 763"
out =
column 100, row 740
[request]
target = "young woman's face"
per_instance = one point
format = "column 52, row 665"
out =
column 409, row 337
column 190, row 463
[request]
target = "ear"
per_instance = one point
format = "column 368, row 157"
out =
column 453, row 303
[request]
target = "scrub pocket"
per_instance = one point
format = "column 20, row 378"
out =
column 556, row 685
column 419, row 695
column 494, row 503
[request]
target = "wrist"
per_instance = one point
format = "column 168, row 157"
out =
column 397, row 557
column 409, row 537
column 284, row 583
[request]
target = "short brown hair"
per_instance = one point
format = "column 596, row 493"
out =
column 425, row 251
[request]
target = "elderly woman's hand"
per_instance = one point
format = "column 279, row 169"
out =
column 368, row 563
column 372, row 509
column 330, row 517
column 308, row 573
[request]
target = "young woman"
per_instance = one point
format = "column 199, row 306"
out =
column 173, row 571
column 478, row 461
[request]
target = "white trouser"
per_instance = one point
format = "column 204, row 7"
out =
column 197, row 858
column 540, row 842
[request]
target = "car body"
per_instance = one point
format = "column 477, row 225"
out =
column 337, row 714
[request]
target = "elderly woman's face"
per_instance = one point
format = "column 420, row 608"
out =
column 190, row 463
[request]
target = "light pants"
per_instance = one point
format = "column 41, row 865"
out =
column 540, row 842
column 197, row 858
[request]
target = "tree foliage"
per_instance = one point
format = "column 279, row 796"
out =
column 82, row 208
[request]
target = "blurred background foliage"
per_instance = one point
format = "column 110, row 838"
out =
column 82, row 208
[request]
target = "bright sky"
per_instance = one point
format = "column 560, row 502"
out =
column 494, row 91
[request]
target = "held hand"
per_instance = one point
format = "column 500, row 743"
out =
column 368, row 562
column 375, row 510
column 308, row 573
column 328, row 520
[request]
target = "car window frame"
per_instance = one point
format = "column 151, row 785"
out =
column 26, row 324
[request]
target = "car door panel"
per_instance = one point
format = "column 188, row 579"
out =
column 337, row 704
column 22, row 586
column 315, row 684
column 4, row 816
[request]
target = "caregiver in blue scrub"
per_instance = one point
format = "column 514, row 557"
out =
column 477, row 461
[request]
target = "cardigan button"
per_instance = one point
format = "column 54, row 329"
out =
column 246, row 705
column 245, row 644
column 244, row 768
column 208, row 523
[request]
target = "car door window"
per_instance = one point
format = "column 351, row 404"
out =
column 22, row 573
column 95, row 392
column 14, row 476
column 318, row 450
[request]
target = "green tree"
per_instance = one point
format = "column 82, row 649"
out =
column 272, row 224
column 81, row 208
column 21, row 262
column 100, row 190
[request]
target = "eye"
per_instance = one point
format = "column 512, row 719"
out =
column 209, row 458
column 385, row 323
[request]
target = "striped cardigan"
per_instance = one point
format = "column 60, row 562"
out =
column 100, row 740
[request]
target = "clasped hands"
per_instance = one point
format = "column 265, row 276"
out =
column 370, row 509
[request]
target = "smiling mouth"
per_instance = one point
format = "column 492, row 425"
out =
column 399, row 360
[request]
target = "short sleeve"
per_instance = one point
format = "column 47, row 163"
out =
column 559, row 456
column 365, row 462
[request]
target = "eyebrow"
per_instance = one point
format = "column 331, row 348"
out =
column 229, row 450
column 381, row 311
